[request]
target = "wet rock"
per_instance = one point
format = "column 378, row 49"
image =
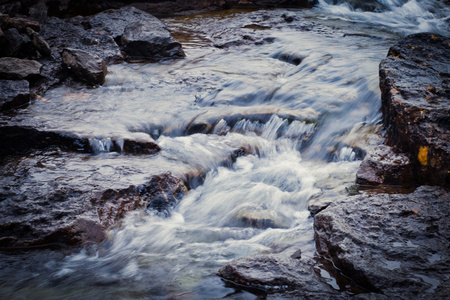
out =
column 21, row 24
column 283, row 3
column 85, row 66
column 20, row 140
column 140, row 35
column 396, row 244
column 17, row 44
column 39, row 42
column 150, row 40
column 13, row 93
column 161, row 193
column 4, row 44
column 383, row 166
column 278, row 274
column 16, row 68
column 61, row 34
column 289, row 57
column 415, row 104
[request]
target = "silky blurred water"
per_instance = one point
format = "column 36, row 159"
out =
column 301, row 97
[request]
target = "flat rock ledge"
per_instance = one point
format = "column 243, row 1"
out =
column 393, row 244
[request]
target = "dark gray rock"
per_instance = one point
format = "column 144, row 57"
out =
column 17, row 45
column 13, row 93
column 383, row 166
column 278, row 274
column 140, row 35
column 415, row 86
column 396, row 244
column 85, row 66
column 61, row 34
column 16, row 68
column 151, row 40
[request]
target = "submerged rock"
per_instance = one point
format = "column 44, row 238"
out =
column 395, row 244
column 415, row 103
column 383, row 166
column 85, row 66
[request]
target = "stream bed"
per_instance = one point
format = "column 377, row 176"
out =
column 297, row 89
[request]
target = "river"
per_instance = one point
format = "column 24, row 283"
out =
column 300, row 95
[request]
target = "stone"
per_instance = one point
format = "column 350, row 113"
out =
column 17, row 45
column 39, row 42
column 383, row 166
column 415, row 104
column 16, row 68
column 70, row 33
column 150, row 40
column 161, row 193
column 85, row 66
column 39, row 208
column 394, row 244
column 278, row 273
column 21, row 24
column 13, row 94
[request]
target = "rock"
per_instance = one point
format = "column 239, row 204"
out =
column 161, row 193
column 21, row 24
column 85, row 66
column 396, row 244
column 283, row 3
column 61, row 34
column 383, row 166
column 140, row 35
column 16, row 68
column 21, row 140
column 40, row 208
column 13, row 93
column 150, row 40
column 4, row 44
column 17, row 45
column 39, row 42
column 278, row 274
column 415, row 104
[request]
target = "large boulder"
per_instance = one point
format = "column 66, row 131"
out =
column 16, row 68
column 71, row 33
column 140, row 35
column 85, row 66
column 13, row 93
column 395, row 244
column 415, row 103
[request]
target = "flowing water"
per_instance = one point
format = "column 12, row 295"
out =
column 301, row 97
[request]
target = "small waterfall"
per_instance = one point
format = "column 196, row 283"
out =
column 401, row 16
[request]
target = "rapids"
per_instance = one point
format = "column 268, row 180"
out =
column 302, row 97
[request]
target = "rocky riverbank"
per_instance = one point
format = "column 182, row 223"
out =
column 396, row 244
